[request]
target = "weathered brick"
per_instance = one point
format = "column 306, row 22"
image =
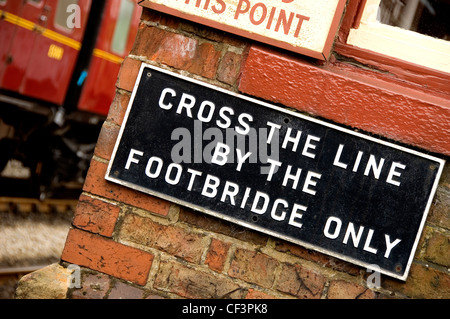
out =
column 128, row 74
column 96, row 216
column 317, row 257
column 217, row 254
column 423, row 282
column 216, row 225
column 212, row 34
column 300, row 282
column 256, row 294
column 193, row 283
column 206, row 61
column 438, row 249
column 253, row 267
column 124, row 291
column 177, row 51
column 93, row 286
column 107, row 256
column 229, row 68
column 170, row 239
column 118, row 108
column 340, row 289
column 160, row 18
column 96, row 183
column 440, row 211
column 106, row 140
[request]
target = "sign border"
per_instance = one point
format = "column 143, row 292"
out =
column 258, row 228
column 260, row 38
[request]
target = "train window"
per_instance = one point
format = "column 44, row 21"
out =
column 122, row 27
column 64, row 14
column 417, row 31
column 2, row 2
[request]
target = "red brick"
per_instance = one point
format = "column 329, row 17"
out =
column 212, row 34
column 96, row 183
column 351, row 98
column 93, row 286
column 440, row 212
column 96, row 216
column 107, row 256
column 423, row 282
column 106, row 140
column 170, row 239
column 340, row 289
column 128, row 74
column 191, row 283
column 177, row 51
column 217, row 254
column 118, row 108
column 206, row 61
column 317, row 257
column 124, row 291
column 229, row 68
column 300, row 282
column 438, row 249
column 220, row 226
column 256, row 294
column 160, row 18
column 253, row 267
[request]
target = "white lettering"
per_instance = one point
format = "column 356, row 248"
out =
column 273, row 213
column 241, row 159
column 159, row 166
column 390, row 245
column 376, row 168
column 179, row 170
column 210, row 189
column 367, row 243
column 294, row 140
column 131, row 159
column 194, row 174
column 355, row 237
column 273, row 163
column 259, row 195
column 294, row 178
column 393, row 172
column 246, row 127
column 163, row 96
column 337, row 229
column 308, row 146
column 295, row 215
column 230, row 194
column 200, row 115
column 311, row 182
column 273, row 126
column 187, row 102
column 220, row 157
column 337, row 158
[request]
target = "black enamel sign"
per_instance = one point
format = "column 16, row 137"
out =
column 321, row 186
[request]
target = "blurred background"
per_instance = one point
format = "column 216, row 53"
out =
column 59, row 61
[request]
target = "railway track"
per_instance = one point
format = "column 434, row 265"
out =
column 31, row 205
column 32, row 236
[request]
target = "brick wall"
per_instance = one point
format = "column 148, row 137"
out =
column 132, row 245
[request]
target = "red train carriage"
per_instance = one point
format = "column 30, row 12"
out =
column 59, row 61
